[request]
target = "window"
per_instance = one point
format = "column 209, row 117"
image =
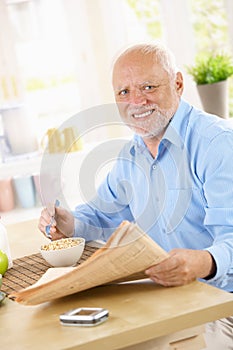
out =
column 45, row 59
column 58, row 53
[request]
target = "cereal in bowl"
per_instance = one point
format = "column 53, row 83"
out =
column 62, row 243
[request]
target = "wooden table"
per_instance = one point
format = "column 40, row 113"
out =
column 139, row 312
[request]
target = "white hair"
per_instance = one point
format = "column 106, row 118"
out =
column 161, row 54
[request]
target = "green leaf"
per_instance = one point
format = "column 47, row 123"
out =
column 209, row 69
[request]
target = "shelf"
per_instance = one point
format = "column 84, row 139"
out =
column 21, row 166
column 31, row 163
column 19, row 215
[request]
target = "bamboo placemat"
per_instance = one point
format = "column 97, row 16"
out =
column 29, row 269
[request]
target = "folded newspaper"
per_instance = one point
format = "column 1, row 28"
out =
column 124, row 257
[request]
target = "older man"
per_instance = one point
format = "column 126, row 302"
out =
column 174, row 178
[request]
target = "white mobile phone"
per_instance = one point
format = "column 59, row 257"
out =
column 84, row 316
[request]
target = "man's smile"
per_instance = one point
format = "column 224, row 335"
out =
column 143, row 115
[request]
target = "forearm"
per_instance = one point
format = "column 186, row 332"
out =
column 93, row 224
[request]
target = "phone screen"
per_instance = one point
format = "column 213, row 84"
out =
column 85, row 312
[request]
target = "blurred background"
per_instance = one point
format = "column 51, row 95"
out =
column 56, row 58
column 56, row 54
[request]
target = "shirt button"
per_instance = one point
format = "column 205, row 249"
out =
column 154, row 167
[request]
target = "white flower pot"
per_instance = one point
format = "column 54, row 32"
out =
column 214, row 98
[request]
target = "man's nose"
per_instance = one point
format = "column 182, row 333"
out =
column 137, row 97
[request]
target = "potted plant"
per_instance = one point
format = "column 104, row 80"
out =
column 210, row 73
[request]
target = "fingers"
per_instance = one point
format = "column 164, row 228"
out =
column 44, row 220
column 47, row 224
column 59, row 226
column 55, row 235
column 176, row 270
column 64, row 222
column 165, row 267
column 162, row 275
column 166, row 283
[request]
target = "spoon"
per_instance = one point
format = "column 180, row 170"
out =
column 48, row 227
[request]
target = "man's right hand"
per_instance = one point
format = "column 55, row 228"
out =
column 62, row 226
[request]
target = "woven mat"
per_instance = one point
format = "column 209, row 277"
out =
column 29, row 269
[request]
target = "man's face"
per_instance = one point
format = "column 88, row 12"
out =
column 146, row 96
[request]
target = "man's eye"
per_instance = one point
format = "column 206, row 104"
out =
column 123, row 92
column 149, row 87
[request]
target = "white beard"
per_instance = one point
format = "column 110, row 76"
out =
column 153, row 125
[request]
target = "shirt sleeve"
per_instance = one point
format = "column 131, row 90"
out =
column 218, row 191
column 99, row 218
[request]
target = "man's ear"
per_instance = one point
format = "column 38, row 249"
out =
column 179, row 83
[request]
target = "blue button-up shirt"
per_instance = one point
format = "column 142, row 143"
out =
column 183, row 198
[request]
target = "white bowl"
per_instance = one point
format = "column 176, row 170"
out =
column 65, row 256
